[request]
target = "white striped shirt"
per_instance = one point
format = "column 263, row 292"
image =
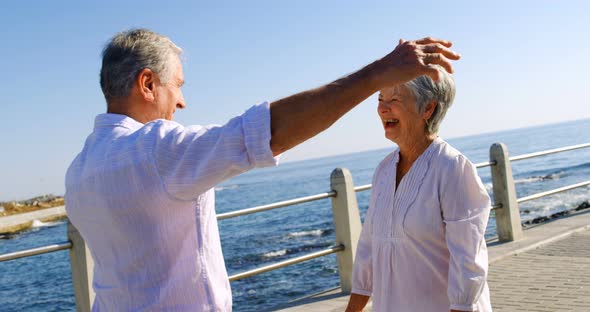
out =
column 422, row 245
column 142, row 197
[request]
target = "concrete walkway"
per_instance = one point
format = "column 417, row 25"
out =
column 21, row 221
column 548, row 270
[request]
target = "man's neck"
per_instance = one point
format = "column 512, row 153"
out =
column 126, row 108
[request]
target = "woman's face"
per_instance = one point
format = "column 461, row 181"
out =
column 402, row 122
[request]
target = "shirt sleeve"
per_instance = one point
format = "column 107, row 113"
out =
column 465, row 207
column 191, row 160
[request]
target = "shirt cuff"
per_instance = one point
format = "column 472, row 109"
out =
column 363, row 292
column 256, row 125
column 464, row 307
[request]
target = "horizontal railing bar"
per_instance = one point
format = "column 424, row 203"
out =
column 491, row 239
column 497, row 206
column 290, row 202
column 35, row 251
column 551, row 192
column 288, row 262
column 551, row 151
column 485, row 164
column 361, row 188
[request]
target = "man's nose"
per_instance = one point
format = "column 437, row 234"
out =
column 181, row 103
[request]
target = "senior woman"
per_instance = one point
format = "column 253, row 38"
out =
column 422, row 245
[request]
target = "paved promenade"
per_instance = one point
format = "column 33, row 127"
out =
column 23, row 221
column 555, row 277
column 547, row 271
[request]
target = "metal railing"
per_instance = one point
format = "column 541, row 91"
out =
column 35, row 251
column 346, row 222
column 282, row 264
column 280, row 204
column 554, row 191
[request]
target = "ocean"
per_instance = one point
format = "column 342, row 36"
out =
column 43, row 283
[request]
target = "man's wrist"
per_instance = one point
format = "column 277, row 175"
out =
column 374, row 76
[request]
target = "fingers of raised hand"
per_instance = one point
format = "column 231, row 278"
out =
column 438, row 59
column 429, row 40
column 439, row 48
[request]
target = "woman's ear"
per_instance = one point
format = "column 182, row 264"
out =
column 430, row 108
column 146, row 84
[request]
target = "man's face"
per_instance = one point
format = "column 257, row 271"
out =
column 168, row 96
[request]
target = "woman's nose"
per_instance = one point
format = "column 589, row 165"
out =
column 383, row 108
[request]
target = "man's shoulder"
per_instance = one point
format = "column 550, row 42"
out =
column 163, row 126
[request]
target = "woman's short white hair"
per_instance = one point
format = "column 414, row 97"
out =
column 426, row 90
column 128, row 53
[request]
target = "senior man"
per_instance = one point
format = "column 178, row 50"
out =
column 141, row 190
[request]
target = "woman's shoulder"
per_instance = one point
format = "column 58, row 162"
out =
column 449, row 157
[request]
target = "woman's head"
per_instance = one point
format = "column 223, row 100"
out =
column 426, row 91
column 416, row 108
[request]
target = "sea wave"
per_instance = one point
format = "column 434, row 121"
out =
column 226, row 187
column 41, row 224
column 552, row 204
column 307, row 233
column 551, row 176
column 274, row 254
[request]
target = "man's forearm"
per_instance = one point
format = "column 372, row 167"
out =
column 301, row 116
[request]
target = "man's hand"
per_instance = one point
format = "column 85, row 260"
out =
column 411, row 59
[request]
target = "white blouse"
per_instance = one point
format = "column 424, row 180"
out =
column 422, row 246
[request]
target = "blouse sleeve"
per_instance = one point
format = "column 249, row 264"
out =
column 465, row 207
column 362, row 274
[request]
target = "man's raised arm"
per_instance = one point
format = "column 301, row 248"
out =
column 299, row 117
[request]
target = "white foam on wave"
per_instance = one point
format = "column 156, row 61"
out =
column 528, row 180
column 307, row 233
column 277, row 253
column 226, row 187
column 552, row 176
column 555, row 203
column 40, row 224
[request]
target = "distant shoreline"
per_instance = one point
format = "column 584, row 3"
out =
column 23, row 221
column 30, row 205
column 17, row 216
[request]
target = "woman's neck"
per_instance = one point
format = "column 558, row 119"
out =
column 409, row 152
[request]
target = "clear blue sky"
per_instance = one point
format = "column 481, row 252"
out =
column 524, row 63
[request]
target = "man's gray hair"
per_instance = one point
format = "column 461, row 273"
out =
column 128, row 53
column 426, row 90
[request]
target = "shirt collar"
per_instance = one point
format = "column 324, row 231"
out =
column 427, row 152
column 116, row 120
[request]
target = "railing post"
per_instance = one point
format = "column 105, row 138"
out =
column 347, row 223
column 82, row 267
column 508, row 223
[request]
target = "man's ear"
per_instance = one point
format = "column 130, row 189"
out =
column 146, row 84
column 430, row 108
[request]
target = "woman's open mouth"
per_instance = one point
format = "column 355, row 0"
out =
column 389, row 123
